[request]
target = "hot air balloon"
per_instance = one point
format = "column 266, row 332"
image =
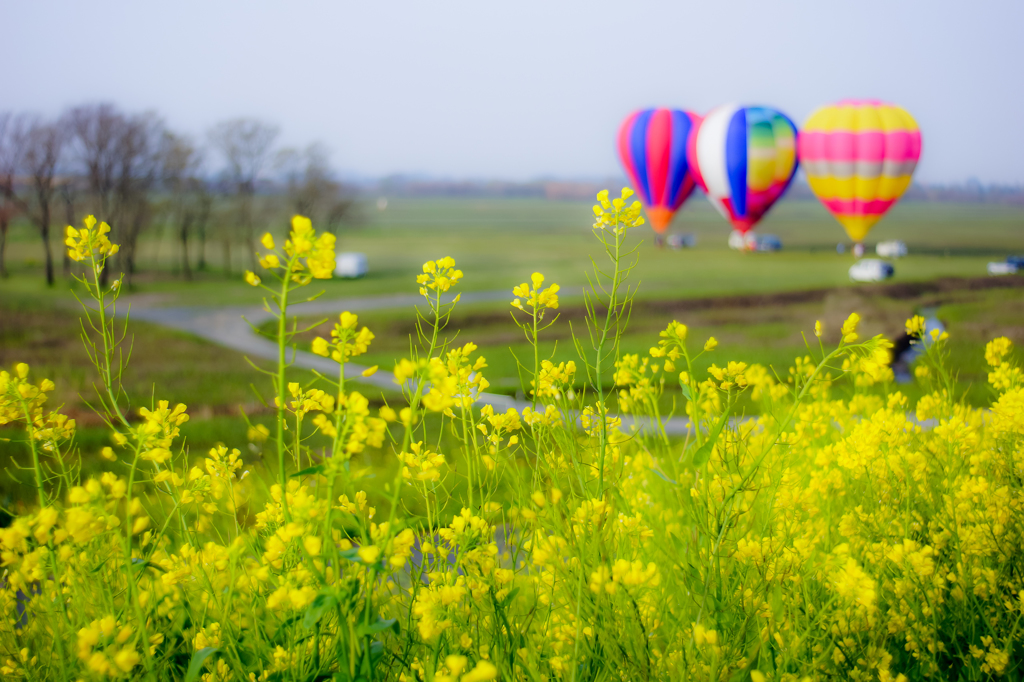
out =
column 859, row 156
column 652, row 146
column 744, row 159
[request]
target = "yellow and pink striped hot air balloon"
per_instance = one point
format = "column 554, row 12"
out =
column 859, row 156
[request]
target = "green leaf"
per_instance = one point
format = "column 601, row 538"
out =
column 662, row 476
column 198, row 658
column 351, row 554
column 693, row 573
column 318, row 469
column 509, row 597
column 376, row 652
column 379, row 626
column 142, row 564
column 703, row 454
column 686, row 392
column 322, row 603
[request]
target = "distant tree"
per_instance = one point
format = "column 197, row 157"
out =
column 69, row 188
column 120, row 158
column 39, row 144
column 9, row 157
column 190, row 201
column 312, row 190
column 95, row 130
column 245, row 145
column 139, row 161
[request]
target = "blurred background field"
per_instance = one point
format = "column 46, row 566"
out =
column 758, row 305
column 497, row 242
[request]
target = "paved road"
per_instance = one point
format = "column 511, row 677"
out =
column 232, row 327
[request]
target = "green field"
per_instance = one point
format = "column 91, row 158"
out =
column 498, row 243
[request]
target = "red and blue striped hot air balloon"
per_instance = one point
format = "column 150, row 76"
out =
column 652, row 146
column 744, row 159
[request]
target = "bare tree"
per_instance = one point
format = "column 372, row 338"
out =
column 9, row 156
column 312, row 190
column 245, row 145
column 119, row 156
column 69, row 188
column 190, row 203
column 40, row 144
column 138, row 153
column 95, row 130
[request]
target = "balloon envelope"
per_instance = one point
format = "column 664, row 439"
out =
column 652, row 146
column 744, row 159
column 859, row 156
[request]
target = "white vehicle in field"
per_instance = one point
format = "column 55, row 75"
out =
column 682, row 241
column 871, row 270
column 1002, row 268
column 891, row 249
column 754, row 242
column 767, row 242
column 742, row 242
column 351, row 265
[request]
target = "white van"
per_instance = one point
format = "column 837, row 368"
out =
column 1002, row 268
column 891, row 249
column 351, row 265
column 871, row 270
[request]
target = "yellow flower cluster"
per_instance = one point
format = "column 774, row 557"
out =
column 845, row 538
column 306, row 255
column 345, row 341
column 23, row 401
column 1004, row 375
column 421, row 464
column 832, row 535
column 455, row 381
column 89, row 242
column 555, row 380
column 438, row 276
column 537, row 298
column 614, row 215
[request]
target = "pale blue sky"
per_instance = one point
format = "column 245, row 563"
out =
column 529, row 88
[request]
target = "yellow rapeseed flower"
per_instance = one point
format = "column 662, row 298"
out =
column 438, row 276
column 915, row 326
column 537, row 297
column 849, row 330
column 87, row 242
column 369, row 555
column 615, row 215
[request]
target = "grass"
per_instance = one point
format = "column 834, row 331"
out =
column 500, row 242
column 47, row 337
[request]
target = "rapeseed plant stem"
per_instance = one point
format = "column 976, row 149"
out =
column 105, row 359
column 282, row 385
column 536, row 359
column 615, row 217
column 36, row 468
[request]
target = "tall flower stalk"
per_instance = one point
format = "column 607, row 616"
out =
column 613, row 219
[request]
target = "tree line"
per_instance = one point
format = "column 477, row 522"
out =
column 131, row 171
